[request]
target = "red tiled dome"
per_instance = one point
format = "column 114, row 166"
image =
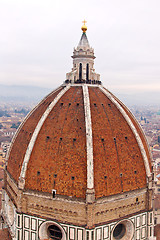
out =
column 50, row 148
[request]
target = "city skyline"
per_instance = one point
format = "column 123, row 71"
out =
column 38, row 38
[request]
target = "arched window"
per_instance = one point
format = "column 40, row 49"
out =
column 87, row 71
column 80, row 71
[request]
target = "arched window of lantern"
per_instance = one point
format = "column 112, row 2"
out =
column 87, row 71
column 80, row 71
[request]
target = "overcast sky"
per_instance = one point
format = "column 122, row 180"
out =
column 38, row 36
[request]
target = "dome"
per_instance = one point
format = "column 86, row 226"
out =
column 79, row 165
column 80, row 137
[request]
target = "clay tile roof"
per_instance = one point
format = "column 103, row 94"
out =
column 157, row 231
column 157, row 201
column 58, row 158
column 4, row 234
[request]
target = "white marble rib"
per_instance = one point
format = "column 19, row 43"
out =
column 89, row 139
column 143, row 152
column 35, row 134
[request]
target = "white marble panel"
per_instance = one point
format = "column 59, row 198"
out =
column 33, row 236
column 137, row 234
column 18, row 234
column 143, row 232
column 80, row 234
column 26, row 235
column 138, row 222
column 144, row 219
column 33, row 224
column 72, row 233
column 26, row 222
column 99, row 234
column 105, row 232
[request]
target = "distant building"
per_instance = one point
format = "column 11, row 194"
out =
column 9, row 132
column 79, row 167
column 5, row 147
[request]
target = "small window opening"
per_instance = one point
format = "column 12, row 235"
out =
column 60, row 139
column 74, row 139
column 102, row 104
column 150, row 231
column 72, row 178
column 18, row 235
column 155, row 221
column 80, row 71
column 87, row 235
column 95, row 104
column 150, row 217
column 62, row 104
column 126, row 137
column 105, row 177
column 77, row 119
column 135, row 172
column 87, row 72
column 55, row 175
column 18, row 221
column 77, row 104
column 38, row 173
column 69, row 104
column 109, row 104
column 102, row 139
column 47, row 137
column 53, row 193
column 136, row 199
column 92, row 235
column 120, row 174
column 114, row 139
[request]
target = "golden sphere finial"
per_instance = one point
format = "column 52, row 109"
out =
column 84, row 27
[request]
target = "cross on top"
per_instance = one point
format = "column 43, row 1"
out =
column 84, row 22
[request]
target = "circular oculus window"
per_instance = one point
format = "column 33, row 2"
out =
column 51, row 230
column 123, row 231
column 119, row 231
column 54, row 232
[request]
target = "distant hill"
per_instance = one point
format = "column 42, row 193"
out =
column 22, row 93
column 27, row 94
column 140, row 98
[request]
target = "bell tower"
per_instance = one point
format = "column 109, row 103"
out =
column 83, row 62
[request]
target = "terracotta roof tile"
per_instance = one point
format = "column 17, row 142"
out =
column 59, row 158
column 4, row 234
column 23, row 138
column 61, row 162
column 157, row 231
column 119, row 166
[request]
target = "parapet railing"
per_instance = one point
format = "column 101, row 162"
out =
column 84, row 81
